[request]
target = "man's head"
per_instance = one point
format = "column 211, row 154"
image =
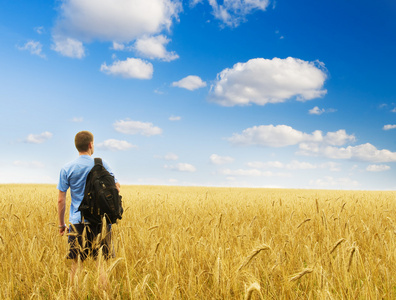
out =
column 84, row 141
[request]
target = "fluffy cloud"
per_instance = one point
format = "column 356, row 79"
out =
column 316, row 111
column 314, row 144
column 77, row 119
column 245, row 172
column 38, row 138
column 220, row 160
column 388, row 127
column 181, row 167
column 115, row 145
column 364, row 152
column 68, row 47
column 331, row 182
column 293, row 165
column 168, row 156
column 190, row 83
column 338, row 138
column 251, row 173
column 115, row 20
column 118, row 46
column 154, row 48
column 136, row 127
column 233, row 12
column 283, row 135
column 377, row 168
column 261, row 81
column 29, row 164
column 273, row 136
column 34, row 48
column 129, row 68
column 39, row 29
column 174, row 118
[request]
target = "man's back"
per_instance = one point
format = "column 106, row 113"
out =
column 73, row 175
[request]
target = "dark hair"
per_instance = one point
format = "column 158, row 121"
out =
column 82, row 140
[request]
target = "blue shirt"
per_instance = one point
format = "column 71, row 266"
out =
column 73, row 175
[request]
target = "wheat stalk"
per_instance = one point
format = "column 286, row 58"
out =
column 301, row 274
column 351, row 257
column 252, row 255
column 336, row 245
column 306, row 220
column 254, row 287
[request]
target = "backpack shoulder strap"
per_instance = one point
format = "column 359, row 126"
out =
column 98, row 161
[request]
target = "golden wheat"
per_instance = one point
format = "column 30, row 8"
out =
column 196, row 243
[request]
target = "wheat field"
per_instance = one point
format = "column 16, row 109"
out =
column 207, row 243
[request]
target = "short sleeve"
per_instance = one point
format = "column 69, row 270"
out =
column 63, row 184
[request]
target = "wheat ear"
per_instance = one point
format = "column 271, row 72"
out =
column 336, row 245
column 253, row 287
column 301, row 274
column 252, row 255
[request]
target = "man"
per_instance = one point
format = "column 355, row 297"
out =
column 73, row 175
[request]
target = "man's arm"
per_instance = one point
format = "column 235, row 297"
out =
column 61, row 211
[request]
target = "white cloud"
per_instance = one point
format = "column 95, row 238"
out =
column 315, row 144
column 174, row 118
column 171, row 156
column 388, row 127
column 39, row 29
column 273, row 136
column 364, row 152
column 265, row 165
column 190, row 83
column 377, row 168
column 293, row 165
column 38, row 138
column 394, row 110
column 118, row 46
column 115, row 20
column 338, row 138
column 129, row 68
column 29, row 164
column 283, row 135
column 331, row 182
column 68, row 47
column 332, row 166
column 221, row 160
column 34, row 48
column 136, row 127
column 316, row 111
column 115, row 145
column 261, row 81
column 181, row 167
column 233, row 12
column 245, row 172
column 77, row 119
column 153, row 47
column 168, row 156
column 251, row 172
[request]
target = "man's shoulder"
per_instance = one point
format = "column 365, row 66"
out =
column 79, row 162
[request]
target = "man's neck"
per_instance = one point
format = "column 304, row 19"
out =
column 84, row 153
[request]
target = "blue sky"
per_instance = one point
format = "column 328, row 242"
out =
column 259, row 93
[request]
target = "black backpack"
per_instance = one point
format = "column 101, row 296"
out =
column 101, row 197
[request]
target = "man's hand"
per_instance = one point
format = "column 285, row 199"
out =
column 63, row 229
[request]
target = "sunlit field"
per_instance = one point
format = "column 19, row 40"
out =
column 208, row 243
